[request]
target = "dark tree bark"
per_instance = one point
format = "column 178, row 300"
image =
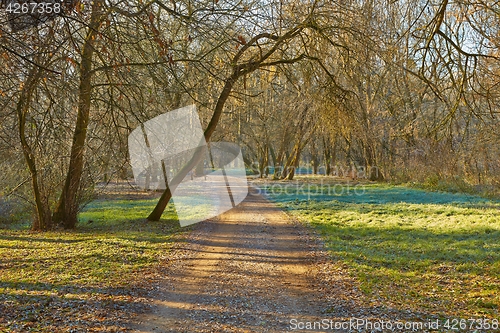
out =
column 167, row 194
column 328, row 156
column 239, row 70
column 68, row 206
column 43, row 214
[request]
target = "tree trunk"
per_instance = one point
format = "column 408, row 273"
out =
column 43, row 214
column 293, row 163
column 328, row 156
column 167, row 194
column 314, row 158
column 278, row 162
column 264, row 162
column 67, row 209
column 238, row 71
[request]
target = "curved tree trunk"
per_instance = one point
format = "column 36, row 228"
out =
column 155, row 215
column 239, row 70
column 43, row 214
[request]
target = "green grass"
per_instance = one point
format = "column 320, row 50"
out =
column 430, row 251
column 99, row 265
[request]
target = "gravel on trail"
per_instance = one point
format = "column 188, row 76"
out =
column 255, row 269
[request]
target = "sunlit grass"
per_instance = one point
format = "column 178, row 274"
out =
column 112, row 240
column 432, row 251
column 113, row 250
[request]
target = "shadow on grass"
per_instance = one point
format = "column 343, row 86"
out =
column 63, row 288
column 438, row 250
column 403, row 249
column 65, row 280
column 27, row 238
column 448, row 271
column 45, row 307
column 120, row 215
column 454, row 273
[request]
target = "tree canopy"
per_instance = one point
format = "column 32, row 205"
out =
column 399, row 90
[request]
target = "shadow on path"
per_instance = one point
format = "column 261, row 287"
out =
column 251, row 270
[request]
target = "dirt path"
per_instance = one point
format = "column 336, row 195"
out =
column 251, row 270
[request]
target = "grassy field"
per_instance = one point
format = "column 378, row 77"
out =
column 433, row 252
column 91, row 277
column 428, row 251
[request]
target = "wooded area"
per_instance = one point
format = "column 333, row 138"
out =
column 395, row 90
